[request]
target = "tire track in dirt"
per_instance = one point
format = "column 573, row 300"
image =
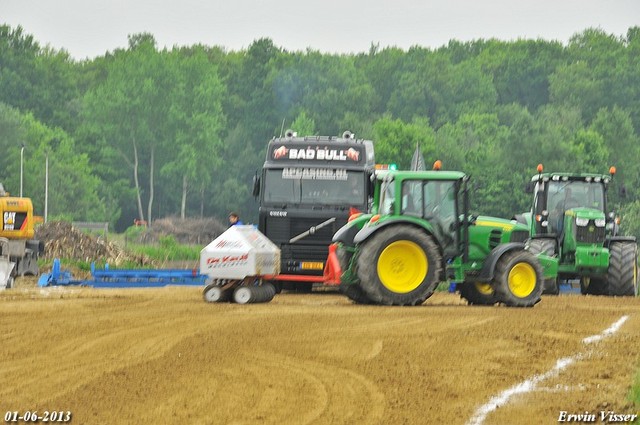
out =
column 164, row 356
column 113, row 332
column 332, row 390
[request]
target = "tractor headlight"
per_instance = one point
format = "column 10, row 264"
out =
column 581, row 221
column 600, row 222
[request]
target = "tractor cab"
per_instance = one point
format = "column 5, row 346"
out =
column 427, row 197
column 570, row 222
column 571, row 208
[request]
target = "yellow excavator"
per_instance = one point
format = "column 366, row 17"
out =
column 19, row 251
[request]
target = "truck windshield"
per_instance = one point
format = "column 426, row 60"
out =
column 317, row 186
column 564, row 195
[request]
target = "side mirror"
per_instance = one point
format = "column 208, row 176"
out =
column 528, row 188
column 371, row 184
column 256, row 186
column 613, row 223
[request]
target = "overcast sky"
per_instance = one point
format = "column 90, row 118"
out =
column 89, row 28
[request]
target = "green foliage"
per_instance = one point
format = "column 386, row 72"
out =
column 520, row 70
column 168, row 242
column 142, row 132
column 634, row 393
column 168, row 114
column 39, row 80
column 617, row 130
column 630, row 219
column 396, row 141
column 167, row 250
column 133, row 233
column 72, row 186
column 440, row 90
column 303, row 125
column 10, row 145
column 591, row 148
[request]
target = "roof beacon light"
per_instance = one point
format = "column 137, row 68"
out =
column 540, row 168
column 612, row 170
column 437, row 165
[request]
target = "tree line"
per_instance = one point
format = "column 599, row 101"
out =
column 143, row 132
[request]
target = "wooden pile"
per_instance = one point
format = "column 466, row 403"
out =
column 64, row 241
column 191, row 231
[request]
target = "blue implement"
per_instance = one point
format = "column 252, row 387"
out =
column 123, row 278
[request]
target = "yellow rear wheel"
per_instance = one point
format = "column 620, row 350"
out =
column 402, row 266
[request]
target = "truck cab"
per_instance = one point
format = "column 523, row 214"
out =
column 308, row 188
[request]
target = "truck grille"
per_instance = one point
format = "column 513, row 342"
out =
column 307, row 255
column 323, row 234
column 304, row 253
column 283, row 229
column 590, row 233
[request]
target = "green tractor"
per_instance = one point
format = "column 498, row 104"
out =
column 419, row 233
column 570, row 222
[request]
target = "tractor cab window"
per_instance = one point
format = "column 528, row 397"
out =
column 387, row 197
column 412, row 197
column 440, row 199
column 565, row 195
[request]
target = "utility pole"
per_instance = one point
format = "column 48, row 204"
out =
column 46, row 186
column 21, row 167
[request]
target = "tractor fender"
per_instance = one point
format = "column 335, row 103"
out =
column 347, row 233
column 620, row 239
column 367, row 231
column 486, row 274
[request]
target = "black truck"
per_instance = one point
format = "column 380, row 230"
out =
column 308, row 189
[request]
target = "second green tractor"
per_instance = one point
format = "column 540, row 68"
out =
column 571, row 222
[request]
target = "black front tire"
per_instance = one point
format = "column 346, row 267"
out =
column 622, row 276
column 353, row 291
column 551, row 287
column 478, row 293
column 593, row 286
column 546, row 247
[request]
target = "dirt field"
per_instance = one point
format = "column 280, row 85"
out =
column 164, row 356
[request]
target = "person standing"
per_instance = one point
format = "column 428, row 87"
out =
column 234, row 219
